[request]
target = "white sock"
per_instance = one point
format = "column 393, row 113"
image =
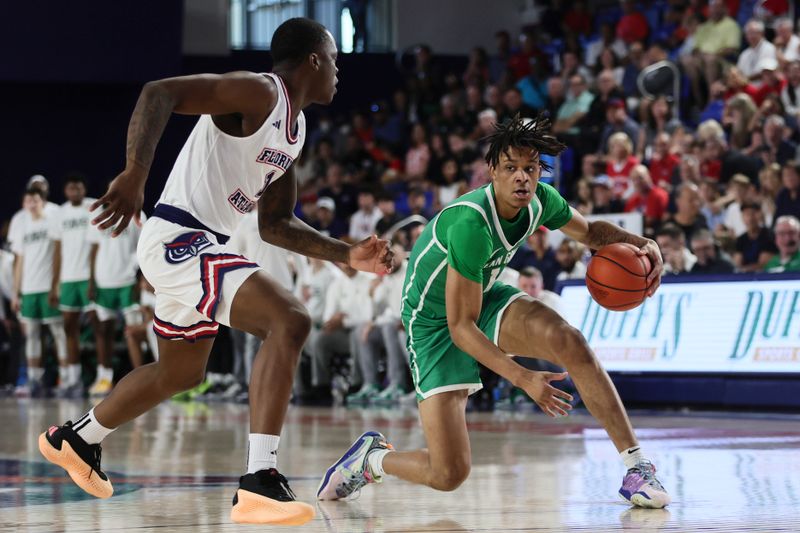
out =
column 74, row 374
column 89, row 429
column 63, row 376
column 375, row 462
column 35, row 373
column 632, row 456
column 105, row 373
column 262, row 452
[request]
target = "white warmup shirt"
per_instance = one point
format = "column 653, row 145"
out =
column 279, row 263
column 49, row 210
column 70, row 225
column 351, row 297
column 362, row 224
column 31, row 240
column 388, row 296
column 217, row 177
column 116, row 264
column 318, row 283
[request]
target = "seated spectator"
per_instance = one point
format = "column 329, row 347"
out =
column 738, row 194
column 619, row 163
column 632, row 27
column 787, row 240
column 569, row 255
column 711, row 160
column 609, row 62
column 636, row 62
column 715, row 40
column 688, row 171
column 575, row 108
column 772, row 82
column 364, row 221
column 347, row 306
column 758, row 49
column 388, row 211
column 531, row 283
column 737, row 117
column 578, row 20
column 663, row 162
column 606, row 39
column 710, row 260
column 787, row 44
column 774, row 148
column 713, row 208
column 325, row 220
column 556, row 95
column 687, row 216
column 618, row 121
column 418, row 155
column 756, row 246
column 533, row 89
column 383, row 333
column 607, row 89
column 571, row 66
column 603, row 199
column 671, row 240
column 788, row 199
column 512, row 99
column 769, row 181
column 790, row 95
column 344, row 195
column 648, row 199
column 418, row 204
column 538, row 253
column 583, row 197
column 659, row 120
column 451, row 185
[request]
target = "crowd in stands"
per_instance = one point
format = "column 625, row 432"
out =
column 713, row 170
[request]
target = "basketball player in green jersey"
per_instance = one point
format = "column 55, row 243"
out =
column 457, row 315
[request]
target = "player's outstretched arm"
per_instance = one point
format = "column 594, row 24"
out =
column 600, row 233
column 278, row 225
column 247, row 95
column 463, row 299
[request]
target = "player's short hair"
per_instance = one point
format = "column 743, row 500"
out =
column 75, row 177
column 35, row 191
column 523, row 133
column 295, row 39
column 531, row 272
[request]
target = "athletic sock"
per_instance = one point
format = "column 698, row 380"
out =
column 89, row 429
column 105, row 373
column 262, row 452
column 632, row 456
column 74, row 374
column 375, row 462
column 35, row 373
column 63, row 376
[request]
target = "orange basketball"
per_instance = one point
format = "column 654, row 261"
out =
column 617, row 277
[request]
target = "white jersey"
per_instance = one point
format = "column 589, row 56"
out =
column 70, row 224
column 16, row 220
column 116, row 264
column 217, row 178
column 31, row 240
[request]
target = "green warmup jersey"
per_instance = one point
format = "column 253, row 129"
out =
column 469, row 236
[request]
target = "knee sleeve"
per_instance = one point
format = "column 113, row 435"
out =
column 60, row 338
column 33, row 339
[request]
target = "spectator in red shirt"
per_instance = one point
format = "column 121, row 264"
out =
column 663, row 163
column 632, row 26
column 620, row 162
column 771, row 80
column 577, row 19
column 648, row 199
column 711, row 160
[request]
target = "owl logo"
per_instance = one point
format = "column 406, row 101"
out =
column 185, row 246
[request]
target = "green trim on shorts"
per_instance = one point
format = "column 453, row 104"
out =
column 74, row 296
column 118, row 299
column 437, row 364
column 35, row 306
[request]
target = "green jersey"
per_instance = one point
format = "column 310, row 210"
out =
column 777, row 265
column 469, row 236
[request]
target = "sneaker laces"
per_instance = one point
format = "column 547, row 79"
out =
column 647, row 471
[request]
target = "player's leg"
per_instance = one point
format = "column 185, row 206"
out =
column 443, row 465
column 72, row 330
column 530, row 329
column 73, row 300
column 76, row 446
column 106, row 312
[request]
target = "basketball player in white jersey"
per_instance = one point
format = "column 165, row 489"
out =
column 238, row 156
column 33, row 273
column 70, row 287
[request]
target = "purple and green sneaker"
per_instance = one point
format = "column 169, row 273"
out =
column 641, row 488
column 351, row 472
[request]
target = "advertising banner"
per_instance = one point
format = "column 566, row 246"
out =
column 704, row 326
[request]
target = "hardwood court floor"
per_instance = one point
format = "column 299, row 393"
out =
column 175, row 469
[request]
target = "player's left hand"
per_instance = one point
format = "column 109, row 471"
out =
column 371, row 255
column 551, row 400
column 653, row 253
column 121, row 203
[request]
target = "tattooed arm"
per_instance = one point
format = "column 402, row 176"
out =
column 600, row 233
column 239, row 102
column 278, row 225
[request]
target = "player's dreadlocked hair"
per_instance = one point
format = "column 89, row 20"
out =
column 523, row 133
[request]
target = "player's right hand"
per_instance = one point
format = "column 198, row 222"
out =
column 15, row 305
column 52, row 297
column 122, row 202
column 537, row 386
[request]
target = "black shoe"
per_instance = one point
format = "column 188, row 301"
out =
column 62, row 446
column 266, row 498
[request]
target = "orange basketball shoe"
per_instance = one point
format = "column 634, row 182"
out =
column 265, row 498
column 62, row 446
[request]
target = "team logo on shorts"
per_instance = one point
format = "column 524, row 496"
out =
column 185, row 246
